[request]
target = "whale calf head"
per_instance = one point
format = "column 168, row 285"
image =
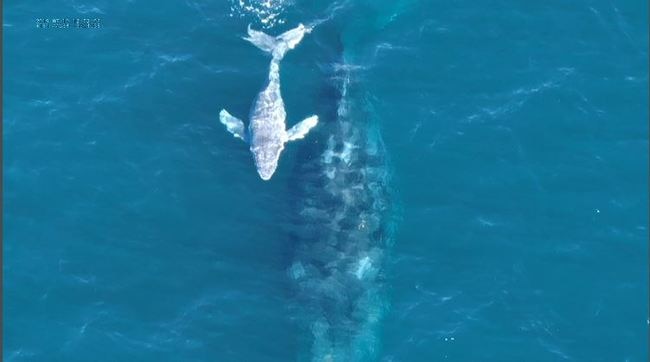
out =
column 266, row 159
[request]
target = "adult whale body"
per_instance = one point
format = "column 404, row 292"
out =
column 267, row 131
column 343, row 225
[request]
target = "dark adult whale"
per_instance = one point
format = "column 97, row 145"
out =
column 267, row 131
column 343, row 225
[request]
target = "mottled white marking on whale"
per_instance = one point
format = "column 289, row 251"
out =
column 267, row 131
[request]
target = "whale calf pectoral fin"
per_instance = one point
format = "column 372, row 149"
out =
column 301, row 129
column 233, row 125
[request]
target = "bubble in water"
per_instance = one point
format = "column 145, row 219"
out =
column 266, row 13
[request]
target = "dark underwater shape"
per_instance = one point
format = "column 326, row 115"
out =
column 343, row 229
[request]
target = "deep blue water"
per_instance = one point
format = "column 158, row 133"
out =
column 476, row 189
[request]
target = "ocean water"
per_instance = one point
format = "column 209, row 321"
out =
column 476, row 189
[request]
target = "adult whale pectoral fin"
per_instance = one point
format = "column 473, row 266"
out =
column 301, row 129
column 233, row 125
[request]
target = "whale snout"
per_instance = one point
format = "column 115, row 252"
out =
column 266, row 160
column 266, row 174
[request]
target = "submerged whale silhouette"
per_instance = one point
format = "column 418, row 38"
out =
column 343, row 224
column 267, row 131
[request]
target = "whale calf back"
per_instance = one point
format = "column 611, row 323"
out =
column 267, row 131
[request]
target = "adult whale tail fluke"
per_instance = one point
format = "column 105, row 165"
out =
column 279, row 45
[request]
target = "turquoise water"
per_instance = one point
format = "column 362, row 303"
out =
column 476, row 189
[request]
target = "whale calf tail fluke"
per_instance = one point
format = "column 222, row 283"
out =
column 279, row 45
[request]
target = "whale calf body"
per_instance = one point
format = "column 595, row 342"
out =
column 267, row 131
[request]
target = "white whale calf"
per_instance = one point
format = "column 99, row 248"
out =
column 267, row 131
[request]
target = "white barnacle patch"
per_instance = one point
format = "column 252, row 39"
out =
column 363, row 266
column 329, row 154
column 346, row 154
column 297, row 271
column 330, row 172
column 362, row 224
